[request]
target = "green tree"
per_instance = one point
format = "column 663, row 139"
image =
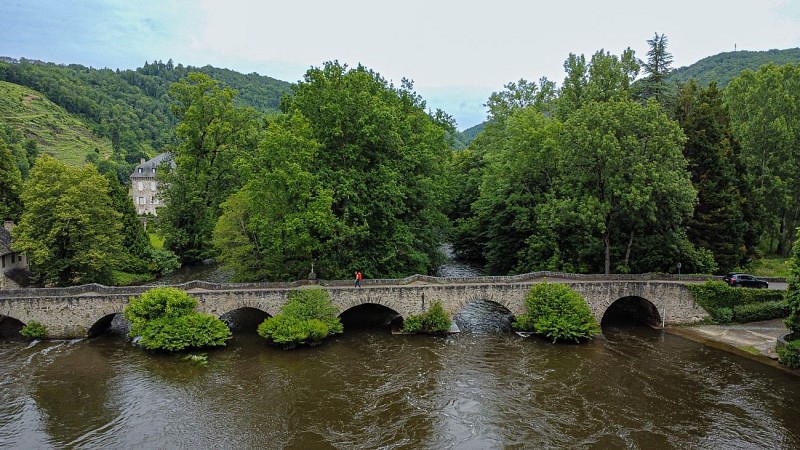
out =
column 135, row 242
column 606, row 77
column 10, row 185
column 163, row 318
column 383, row 157
column 280, row 222
column 622, row 165
column 212, row 134
column 69, row 228
column 765, row 115
column 657, row 68
column 558, row 312
column 712, row 154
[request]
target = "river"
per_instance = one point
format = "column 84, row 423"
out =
column 483, row 388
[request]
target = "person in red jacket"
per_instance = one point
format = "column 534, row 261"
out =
column 358, row 279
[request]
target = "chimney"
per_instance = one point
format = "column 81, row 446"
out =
column 142, row 161
column 8, row 225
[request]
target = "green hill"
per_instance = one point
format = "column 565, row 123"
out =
column 723, row 67
column 54, row 130
column 131, row 108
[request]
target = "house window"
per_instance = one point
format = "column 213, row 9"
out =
column 4, row 261
column 152, row 185
column 12, row 258
column 140, row 170
column 141, row 186
column 141, row 201
column 154, row 170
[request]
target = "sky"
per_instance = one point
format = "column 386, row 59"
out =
column 457, row 52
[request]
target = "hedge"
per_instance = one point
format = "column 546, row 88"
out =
column 726, row 304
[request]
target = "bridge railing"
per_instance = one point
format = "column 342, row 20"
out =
column 206, row 285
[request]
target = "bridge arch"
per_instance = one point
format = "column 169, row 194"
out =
column 484, row 315
column 10, row 327
column 631, row 309
column 245, row 319
column 370, row 315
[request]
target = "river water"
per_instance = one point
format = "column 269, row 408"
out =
column 483, row 388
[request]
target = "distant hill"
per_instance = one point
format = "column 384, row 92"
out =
column 54, row 130
column 723, row 67
column 131, row 108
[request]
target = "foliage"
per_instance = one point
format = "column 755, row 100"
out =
column 280, row 222
column 657, row 68
column 164, row 319
column 558, row 312
column 212, row 133
column 723, row 67
column 66, row 136
column 34, row 330
column 435, row 320
column 789, row 354
column 756, row 312
column 722, row 315
column 382, row 156
column 726, row 304
column 765, row 116
column 712, row 153
column 69, row 228
column 10, row 185
column 307, row 318
column 793, row 291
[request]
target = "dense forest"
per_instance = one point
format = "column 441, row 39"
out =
column 617, row 169
column 724, row 67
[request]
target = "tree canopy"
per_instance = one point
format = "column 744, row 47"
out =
column 69, row 228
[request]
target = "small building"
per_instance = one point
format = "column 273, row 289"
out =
column 144, row 186
column 11, row 262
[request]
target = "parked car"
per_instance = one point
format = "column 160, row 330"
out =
column 737, row 279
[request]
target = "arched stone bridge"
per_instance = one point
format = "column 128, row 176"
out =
column 77, row 311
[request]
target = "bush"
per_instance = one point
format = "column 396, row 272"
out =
column 307, row 318
column 789, row 354
column 435, row 320
column 755, row 312
column 793, row 292
column 722, row 315
column 164, row 319
column 719, row 299
column 34, row 330
column 558, row 312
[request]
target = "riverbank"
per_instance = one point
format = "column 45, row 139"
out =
column 755, row 340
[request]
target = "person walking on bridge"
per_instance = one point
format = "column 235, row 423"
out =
column 358, row 279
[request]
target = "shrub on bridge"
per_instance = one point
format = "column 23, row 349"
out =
column 307, row 318
column 434, row 321
column 558, row 312
column 164, row 319
column 34, row 330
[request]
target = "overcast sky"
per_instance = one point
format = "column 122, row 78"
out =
column 456, row 52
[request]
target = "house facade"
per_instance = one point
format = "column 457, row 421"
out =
column 144, row 186
column 9, row 260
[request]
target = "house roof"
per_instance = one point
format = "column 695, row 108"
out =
column 148, row 166
column 5, row 242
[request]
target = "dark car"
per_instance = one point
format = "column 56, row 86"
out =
column 736, row 279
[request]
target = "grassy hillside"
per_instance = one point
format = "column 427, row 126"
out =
column 55, row 131
column 723, row 67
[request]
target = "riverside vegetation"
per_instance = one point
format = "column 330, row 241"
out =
column 617, row 170
column 163, row 318
column 558, row 312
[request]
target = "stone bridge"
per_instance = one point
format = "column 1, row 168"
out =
column 85, row 310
